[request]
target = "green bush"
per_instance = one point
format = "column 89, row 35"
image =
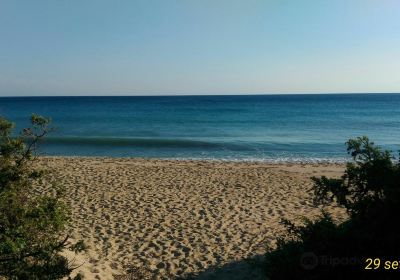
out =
column 31, row 224
column 370, row 192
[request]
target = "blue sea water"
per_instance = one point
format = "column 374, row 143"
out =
column 247, row 127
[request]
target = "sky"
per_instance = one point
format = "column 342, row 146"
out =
column 166, row 47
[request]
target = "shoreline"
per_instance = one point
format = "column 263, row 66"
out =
column 216, row 160
column 176, row 218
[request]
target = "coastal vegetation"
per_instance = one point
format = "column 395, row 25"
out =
column 31, row 223
column 367, row 243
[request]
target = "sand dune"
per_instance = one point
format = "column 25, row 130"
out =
column 174, row 218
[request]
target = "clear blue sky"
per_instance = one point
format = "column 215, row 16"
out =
column 151, row 47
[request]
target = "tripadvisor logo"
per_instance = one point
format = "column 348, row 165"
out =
column 309, row 261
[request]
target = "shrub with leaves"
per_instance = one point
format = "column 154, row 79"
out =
column 369, row 183
column 370, row 192
column 31, row 224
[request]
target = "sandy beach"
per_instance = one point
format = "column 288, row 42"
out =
column 168, row 219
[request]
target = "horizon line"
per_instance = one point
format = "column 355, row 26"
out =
column 219, row 94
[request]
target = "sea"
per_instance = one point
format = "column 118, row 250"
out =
column 271, row 128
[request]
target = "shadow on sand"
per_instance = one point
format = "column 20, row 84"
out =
column 248, row 269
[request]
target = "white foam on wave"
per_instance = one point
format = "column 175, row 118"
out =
column 268, row 159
